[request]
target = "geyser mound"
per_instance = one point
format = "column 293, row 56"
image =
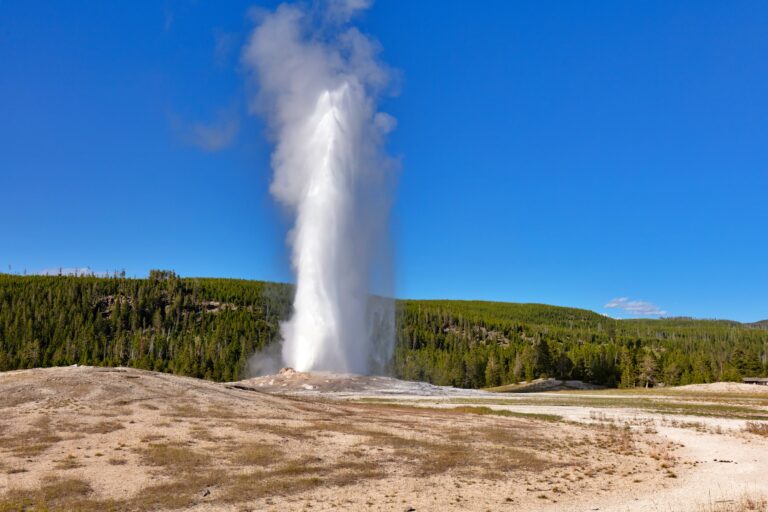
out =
column 319, row 80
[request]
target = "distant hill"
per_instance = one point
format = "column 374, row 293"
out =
column 762, row 324
column 539, row 314
column 209, row 328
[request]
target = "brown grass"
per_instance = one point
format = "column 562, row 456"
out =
column 69, row 462
column 53, row 493
column 298, row 476
column 256, row 454
column 180, row 493
column 102, row 427
column 756, row 427
column 34, row 441
column 186, row 411
column 745, row 503
column 282, row 430
column 180, row 458
column 482, row 410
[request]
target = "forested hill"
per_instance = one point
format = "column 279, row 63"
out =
column 210, row 327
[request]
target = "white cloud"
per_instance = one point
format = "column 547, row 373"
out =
column 343, row 10
column 635, row 307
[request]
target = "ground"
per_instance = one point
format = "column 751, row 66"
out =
column 81, row 438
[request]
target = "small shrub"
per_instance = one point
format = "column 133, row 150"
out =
column 757, row 428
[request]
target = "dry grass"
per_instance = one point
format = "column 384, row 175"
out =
column 53, row 494
column 179, row 458
column 297, row 476
column 482, row 410
column 69, row 462
column 222, row 412
column 32, row 442
column 283, row 430
column 256, row 454
column 186, row 411
column 179, row 493
column 756, row 427
column 745, row 503
column 445, row 458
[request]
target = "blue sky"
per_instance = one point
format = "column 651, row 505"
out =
column 572, row 153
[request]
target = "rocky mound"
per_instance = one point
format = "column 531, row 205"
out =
column 290, row 381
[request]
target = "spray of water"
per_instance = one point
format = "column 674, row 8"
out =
column 318, row 80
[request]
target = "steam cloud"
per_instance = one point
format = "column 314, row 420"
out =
column 318, row 81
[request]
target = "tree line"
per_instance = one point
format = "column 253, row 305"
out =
column 208, row 328
column 484, row 344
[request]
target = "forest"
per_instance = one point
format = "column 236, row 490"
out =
column 209, row 328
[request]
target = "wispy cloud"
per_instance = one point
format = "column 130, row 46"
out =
column 635, row 307
column 224, row 44
column 209, row 136
column 168, row 17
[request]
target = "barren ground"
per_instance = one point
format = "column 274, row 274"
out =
column 81, row 438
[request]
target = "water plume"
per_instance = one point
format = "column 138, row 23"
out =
column 318, row 80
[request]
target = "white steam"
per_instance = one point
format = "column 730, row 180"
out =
column 318, row 81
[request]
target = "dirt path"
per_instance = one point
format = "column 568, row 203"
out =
column 720, row 468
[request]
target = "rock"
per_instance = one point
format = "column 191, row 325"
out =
column 206, row 492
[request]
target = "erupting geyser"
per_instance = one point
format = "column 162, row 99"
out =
column 318, row 81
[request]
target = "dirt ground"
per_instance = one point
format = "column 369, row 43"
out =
column 81, row 438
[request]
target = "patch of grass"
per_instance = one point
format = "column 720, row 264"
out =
column 297, row 476
column 256, row 454
column 282, row 430
column 53, row 494
column 180, row 459
column 151, row 438
column 115, row 412
column 33, row 441
column 202, row 433
column 744, row 503
column 473, row 407
column 757, row 428
column 186, row 411
column 507, row 459
column 650, row 404
column 482, row 410
column 179, row 493
column 222, row 412
column 69, row 462
column 101, row 427
column 445, row 458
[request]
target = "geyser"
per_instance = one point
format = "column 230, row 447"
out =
column 318, row 81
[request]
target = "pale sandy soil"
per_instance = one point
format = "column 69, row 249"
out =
column 724, row 387
column 122, row 439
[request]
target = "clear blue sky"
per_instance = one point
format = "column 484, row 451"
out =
column 561, row 152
